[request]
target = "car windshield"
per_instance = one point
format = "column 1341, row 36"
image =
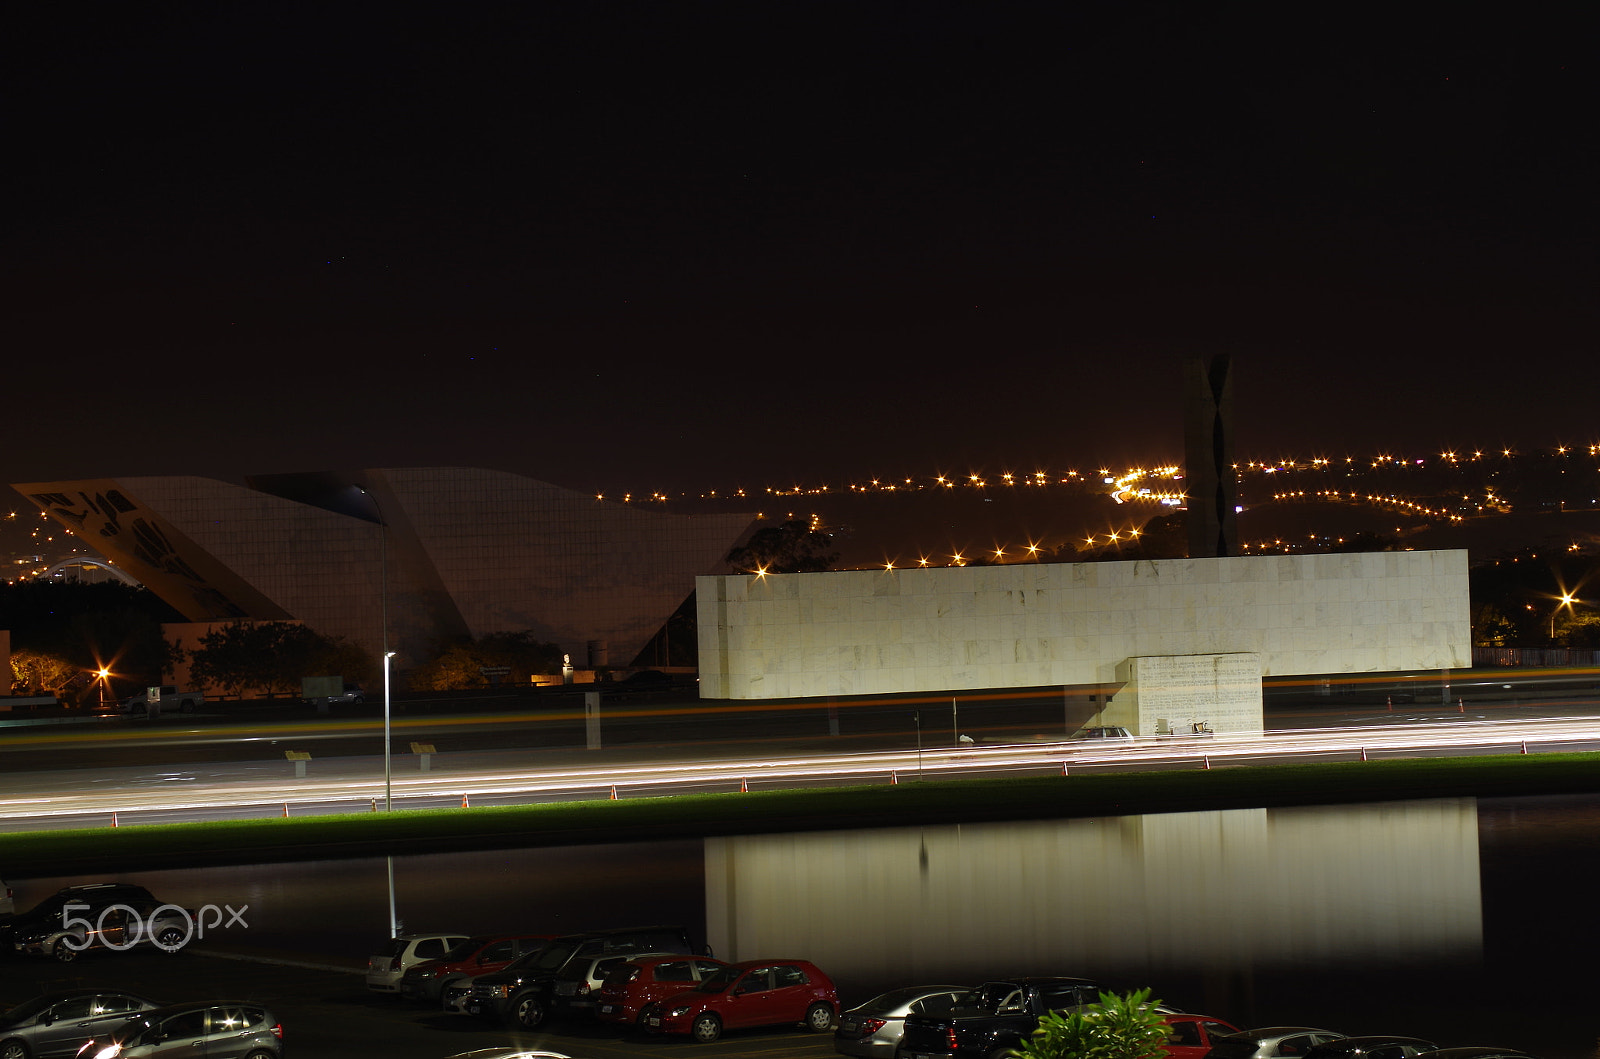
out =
column 893, row 1000
column 464, row 949
column 549, row 958
column 719, row 982
column 27, row 1009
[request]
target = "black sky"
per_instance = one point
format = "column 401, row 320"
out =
column 674, row 245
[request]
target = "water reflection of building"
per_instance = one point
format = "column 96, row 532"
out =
column 1127, row 896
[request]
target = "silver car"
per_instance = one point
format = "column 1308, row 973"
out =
column 399, row 955
column 57, row 1024
column 1271, row 1042
column 214, row 1029
column 873, row 1030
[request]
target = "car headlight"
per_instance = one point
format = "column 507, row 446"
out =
column 680, row 1011
column 500, row 991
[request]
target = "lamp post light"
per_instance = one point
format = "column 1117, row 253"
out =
column 1567, row 600
column 103, row 674
column 388, row 776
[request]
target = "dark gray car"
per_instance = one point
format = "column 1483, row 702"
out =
column 214, row 1029
column 57, row 1024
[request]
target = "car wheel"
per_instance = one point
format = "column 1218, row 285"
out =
column 63, row 952
column 819, row 1018
column 186, row 707
column 705, row 1028
column 529, row 1012
column 13, row 1049
column 172, row 940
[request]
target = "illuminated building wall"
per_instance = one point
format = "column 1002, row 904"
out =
column 1035, row 625
column 439, row 551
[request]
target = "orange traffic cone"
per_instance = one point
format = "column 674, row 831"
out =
column 464, row 803
column 744, row 786
column 613, row 792
column 1363, row 753
column 894, row 778
column 285, row 808
column 114, row 815
column 1064, row 768
column 1206, row 762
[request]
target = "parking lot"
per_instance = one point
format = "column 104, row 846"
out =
column 327, row 1011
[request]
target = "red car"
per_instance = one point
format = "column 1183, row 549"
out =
column 1190, row 1036
column 752, row 993
column 630, row 987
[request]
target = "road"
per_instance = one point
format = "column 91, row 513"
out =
column 268, row 785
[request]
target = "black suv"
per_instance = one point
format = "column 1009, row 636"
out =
column 522, row 994
column 77, row 918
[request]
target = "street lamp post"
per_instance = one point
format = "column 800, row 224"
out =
column 1567, row 600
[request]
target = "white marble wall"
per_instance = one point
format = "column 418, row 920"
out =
column 1032, row 625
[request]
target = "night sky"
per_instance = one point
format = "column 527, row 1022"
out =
column 679, row 245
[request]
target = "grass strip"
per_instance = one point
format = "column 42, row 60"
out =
column 36, row 854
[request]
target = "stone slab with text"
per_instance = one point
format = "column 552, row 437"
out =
column 1175, row 694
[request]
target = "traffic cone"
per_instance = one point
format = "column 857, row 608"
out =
column 1461, row 705
column 1391, row 704
column 285, row 809
column 1064, row 768
column 464, row 803
column 374, row 805
column 1363, row 753
column 894, row 778
column 1206, row 762
column 114, row 817
column 744, row 786
column 613, row 792
column 1524, row 746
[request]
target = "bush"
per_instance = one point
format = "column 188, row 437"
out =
column 1119, row 1027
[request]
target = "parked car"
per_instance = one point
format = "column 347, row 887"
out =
column 1103, row 732
column 522, row 994
column 994, row 1018
column 1371, row 1047
column 873, row 1030
column 57, row 1024
column 635, row 983
column 427, row 981
column 577, row 985
column 386, row 968
column 1191, row 1036
column 167, row 697
column 1271, row 1042
column 352, row 693
column 213, row 1029
column 96, row 916
column 752, row 993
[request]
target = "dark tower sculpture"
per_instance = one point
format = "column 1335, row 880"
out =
column 1210, row 479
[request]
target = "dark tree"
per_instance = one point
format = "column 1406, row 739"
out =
column 88, row 626
column 458, row 665
column 788, row 548
column 272, row 656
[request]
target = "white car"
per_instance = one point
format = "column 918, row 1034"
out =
column 386, row 968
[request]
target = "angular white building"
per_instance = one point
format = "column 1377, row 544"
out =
column 424, row 552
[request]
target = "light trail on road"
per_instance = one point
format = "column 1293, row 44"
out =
column 356, row 784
